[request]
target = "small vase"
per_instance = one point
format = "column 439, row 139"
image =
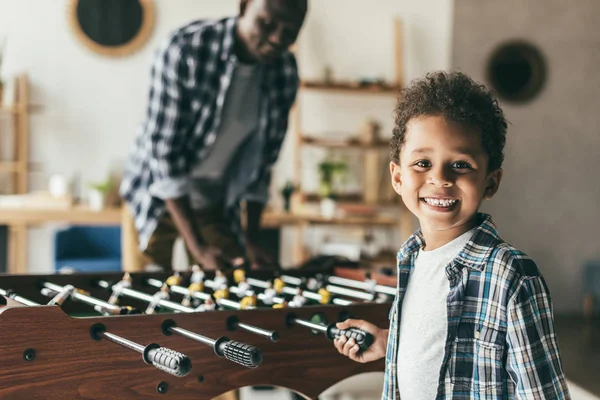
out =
column 328, row 208
column 96, row 200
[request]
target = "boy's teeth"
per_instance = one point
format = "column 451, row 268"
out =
column 440, row 202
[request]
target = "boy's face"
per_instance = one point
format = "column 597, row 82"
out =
column 442, row 176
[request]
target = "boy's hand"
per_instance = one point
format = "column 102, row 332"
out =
column 349, row 347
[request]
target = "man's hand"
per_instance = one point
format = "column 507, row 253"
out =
column 209, row 257
column 349, row 347
column 260, row 257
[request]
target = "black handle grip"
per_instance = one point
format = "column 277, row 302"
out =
column 240, row 353
column 167, row 360
column 362, row 338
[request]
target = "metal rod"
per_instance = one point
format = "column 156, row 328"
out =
column 193, row 336
column 82, row 297
column 292, row 291
column 17, row 298
column 309, row 324
column 147, row 297
column 349, row 292
column 336, row 280
column 123, row 342
column 255, row 329
column 291, row 280
column 229, row 303
column 178, row 289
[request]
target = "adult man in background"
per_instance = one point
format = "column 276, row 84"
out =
column 217, row 115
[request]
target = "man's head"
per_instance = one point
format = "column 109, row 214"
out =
column 267, row 28
column 447, row 149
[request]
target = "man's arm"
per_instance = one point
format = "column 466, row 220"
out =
column 533, row 361
column 168, row 124
column 254, row 210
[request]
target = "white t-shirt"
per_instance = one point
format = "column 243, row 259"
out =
column 424, row 322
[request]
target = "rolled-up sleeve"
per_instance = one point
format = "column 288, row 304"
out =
column 168, row 123
column 533, row 361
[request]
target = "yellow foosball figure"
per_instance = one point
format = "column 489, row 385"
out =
column 222, row 293
column 174, row 280
column 248, row 302
column 278, row 285
column 239, row 275
column 325, row 296
column 196, row 287
column 281, row 305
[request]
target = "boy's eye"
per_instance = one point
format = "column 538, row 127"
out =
column 461, row 165
column 423, row 164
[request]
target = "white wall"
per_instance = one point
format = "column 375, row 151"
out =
column 91, row 105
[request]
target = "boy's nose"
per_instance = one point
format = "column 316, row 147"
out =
column 440, row 178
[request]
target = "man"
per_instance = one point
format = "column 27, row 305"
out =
column 218, row 112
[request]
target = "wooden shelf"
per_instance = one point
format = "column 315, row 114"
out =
column 11, row 166
column 348, row 143
column 273, row 218
column 351, row 87
column 350, row 198
column 76, row 215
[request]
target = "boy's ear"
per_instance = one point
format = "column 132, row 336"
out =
column 396, row 177
column 492, row 183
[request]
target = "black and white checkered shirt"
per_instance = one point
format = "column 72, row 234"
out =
column 189, row 80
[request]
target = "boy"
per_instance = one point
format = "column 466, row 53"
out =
column 473, row 316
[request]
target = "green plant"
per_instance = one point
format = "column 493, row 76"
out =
column 328, row 170
column 286, row 191
column 102, row 187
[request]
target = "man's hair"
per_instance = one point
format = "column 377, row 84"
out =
column 458, row 98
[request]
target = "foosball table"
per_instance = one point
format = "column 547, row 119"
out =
column 190, row 336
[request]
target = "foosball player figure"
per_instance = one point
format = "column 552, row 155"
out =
column 197, row 274
column 239, row 275
column 298, row 300
column 371, row 283
column 285, row 304
column 221, row 293
column 163, row 294
column 382, row 298
column 125, row 282
column 278, row 285
column 209, row 305
column 243, row 287
column 325, row 296
column 220, row 279
column 189, row 298
column 174, row 280
column 312, row 284
column 269, row 294
column 196, row 285
column 248, row 302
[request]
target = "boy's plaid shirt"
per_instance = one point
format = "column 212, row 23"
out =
column 190, row 77
column 501, row 342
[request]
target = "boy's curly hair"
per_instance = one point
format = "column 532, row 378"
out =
column 458, row 98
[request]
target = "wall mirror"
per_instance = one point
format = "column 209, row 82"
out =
column 112, row 27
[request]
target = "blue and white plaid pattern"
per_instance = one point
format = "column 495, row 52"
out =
column 501, row 341
column 190, row 77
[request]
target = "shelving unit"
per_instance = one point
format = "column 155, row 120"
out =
column 370, row 195
column 17, row 170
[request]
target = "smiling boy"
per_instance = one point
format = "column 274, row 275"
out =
column 472, row 318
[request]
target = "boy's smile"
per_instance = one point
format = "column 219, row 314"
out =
column 443, row 177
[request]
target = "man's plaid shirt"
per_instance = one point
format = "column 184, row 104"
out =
column 190, row 77
column 501, row 341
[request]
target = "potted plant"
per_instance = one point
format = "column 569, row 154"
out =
column 288, row 189
column 97, row 194
column 328, row 170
